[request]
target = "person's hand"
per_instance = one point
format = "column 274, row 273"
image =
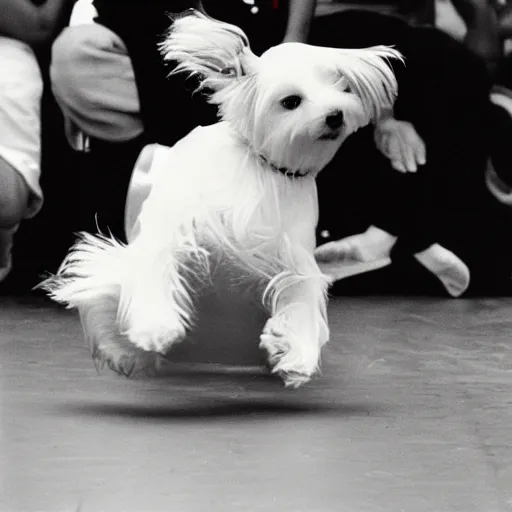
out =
column 400, row 143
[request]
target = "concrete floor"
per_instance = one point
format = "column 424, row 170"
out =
column 413, row 413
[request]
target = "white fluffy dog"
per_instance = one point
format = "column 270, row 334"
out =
column 242, row 190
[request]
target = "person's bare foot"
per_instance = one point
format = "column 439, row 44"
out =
column 447, row 267
column 355, row 254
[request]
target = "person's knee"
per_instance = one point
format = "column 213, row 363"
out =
column 75, row 49
column 14, row 196
column 93, row 81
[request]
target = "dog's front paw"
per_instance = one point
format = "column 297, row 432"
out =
column 294, row 360
column 156, row 337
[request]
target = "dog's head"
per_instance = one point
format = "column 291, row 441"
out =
column 297, row 103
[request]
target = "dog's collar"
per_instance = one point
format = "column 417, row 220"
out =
column 283, row 170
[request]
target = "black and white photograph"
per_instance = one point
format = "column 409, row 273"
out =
column 255, row 255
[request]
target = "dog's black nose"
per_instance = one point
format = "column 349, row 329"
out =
column 334, row 120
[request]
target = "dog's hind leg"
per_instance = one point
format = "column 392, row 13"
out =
column 155, row 305
column 297, row 329
column 110, row 348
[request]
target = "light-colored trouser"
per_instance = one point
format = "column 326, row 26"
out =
column 21, row 89
column 94, row 84
column 93, row 81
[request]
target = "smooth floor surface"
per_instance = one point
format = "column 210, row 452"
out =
column 413, row 413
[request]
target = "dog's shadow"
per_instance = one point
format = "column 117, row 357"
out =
column 230, row 410
column 218, row 372
column 226, row 331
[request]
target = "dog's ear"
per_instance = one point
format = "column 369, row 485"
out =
column 370, row 76
column 215, row 52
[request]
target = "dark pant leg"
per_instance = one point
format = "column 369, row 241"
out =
column 445, row 95
column 443, row 92
column 359, row 188
column 169, row 108
column 264, row 29
column 103, row 176
column 169, row 111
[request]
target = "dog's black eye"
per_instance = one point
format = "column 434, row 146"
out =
column 228, row 71
column 291, row 102
column 347, row 89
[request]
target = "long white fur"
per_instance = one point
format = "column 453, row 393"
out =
column 215, row 198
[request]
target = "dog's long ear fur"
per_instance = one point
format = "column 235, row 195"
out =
column 215, row 52
column 370, row 76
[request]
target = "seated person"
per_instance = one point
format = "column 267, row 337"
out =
column 109, row 78
column 489, row 25
column 432, row 109
column 112, row 85
column 438, row 137
column 23, row 26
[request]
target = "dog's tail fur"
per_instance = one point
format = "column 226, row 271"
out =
column 92, row 270
column 89, row 279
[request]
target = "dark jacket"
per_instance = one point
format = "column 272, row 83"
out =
column 168, row 109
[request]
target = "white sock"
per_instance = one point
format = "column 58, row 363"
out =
column 373, row 244
column 376, row 243
column 447, row 267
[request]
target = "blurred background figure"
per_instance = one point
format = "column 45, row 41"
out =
column 487, row 25
column 437, row 206
column 24, row 27
column 114, row 91
column 110, row 97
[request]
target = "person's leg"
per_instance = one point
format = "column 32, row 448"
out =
column 20, row 143
column 357, row 28
column 485, row 28
column 410, row 213
column 93, row 82
column 447, row 102
column 14, row 197
column 264, row 28
column 14, row 201
column 482, row 30
column 372, row 247
column 499, row 173
column 169, row 107
column 399, row 207
column 432, row 96
column 104, row 176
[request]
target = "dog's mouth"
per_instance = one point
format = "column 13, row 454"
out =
column 330, row 135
